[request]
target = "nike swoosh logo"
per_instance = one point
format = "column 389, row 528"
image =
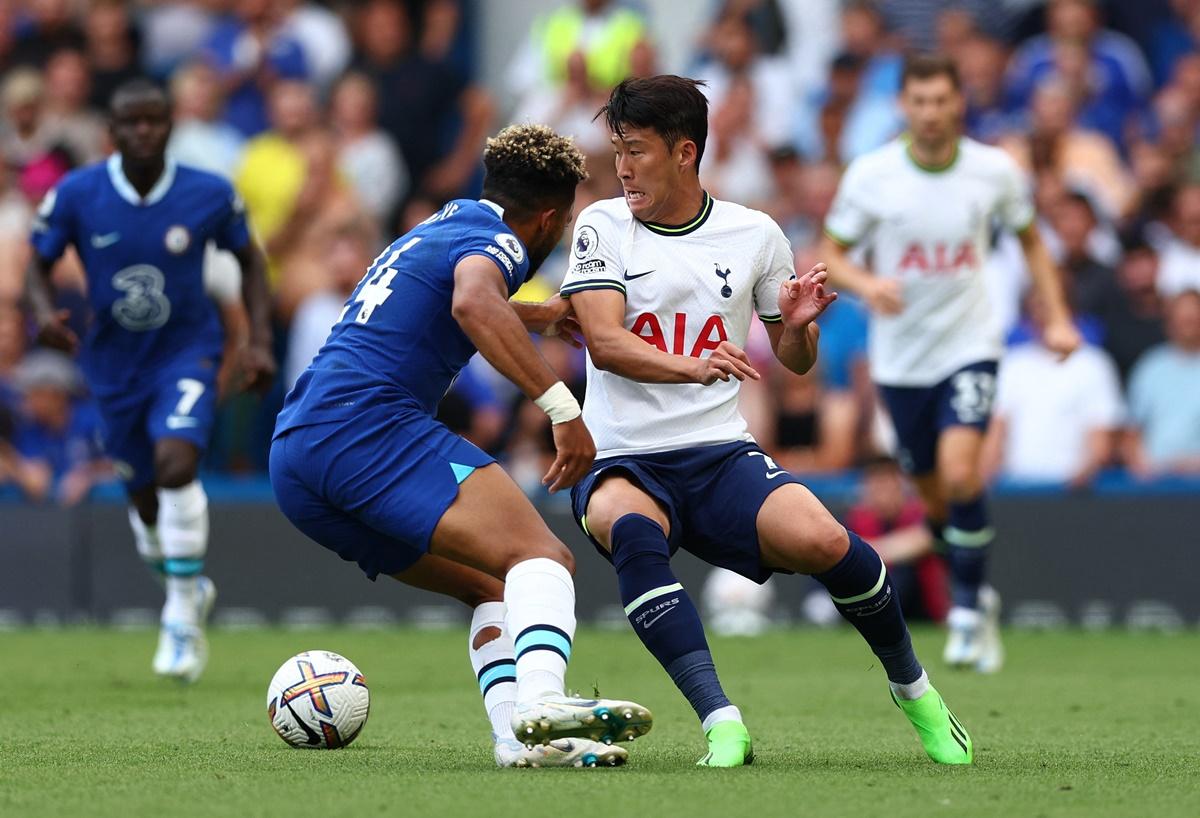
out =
column 646, row 625
column 628, row 277
column 108, row 239
column 776, row 474
column 179, row 422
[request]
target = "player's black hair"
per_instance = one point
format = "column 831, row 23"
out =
column 673, row 107
column 927, row 66
column 530, row 168
column 137, row 88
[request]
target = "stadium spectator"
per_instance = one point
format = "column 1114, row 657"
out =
column 1173, row 37
column 47, row 26
column 437, row 117
column 57, row 453
column 252, row 54
column 604, row 31
column 1132, row 310
column 1083, row 159
column 981, row 69
column 1175, row 119
column 15, row 216
column 173, row 34
column 1085, row 278
column 112, row 49
column 75, row 126
column 367, row 156
column 1180, row 267
column 1164, row 396
column 323, row 37
column 12, row 350
column 1115, row 71
column 891, row 515
column 571, row 109
column 737, row 166
column 199, row 137
column 25, row 136
column 1055, row 420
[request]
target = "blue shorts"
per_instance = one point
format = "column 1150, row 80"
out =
column 372, row 490
column 177, row 401
column 921, row 413
column 711, row 494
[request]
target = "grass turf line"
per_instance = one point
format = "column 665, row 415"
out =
column 1076, row 725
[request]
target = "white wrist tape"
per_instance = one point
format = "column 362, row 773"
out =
column 559, row 404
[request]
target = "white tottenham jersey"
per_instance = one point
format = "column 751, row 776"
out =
column 929, row 228
column 686, row 289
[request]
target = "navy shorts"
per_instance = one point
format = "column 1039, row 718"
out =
column 921, row 413
column 712, row 495
column 373, row 489
column 179, row 400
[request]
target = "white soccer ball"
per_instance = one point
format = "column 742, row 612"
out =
column 318, row 700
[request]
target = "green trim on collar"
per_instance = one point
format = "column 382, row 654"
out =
column 908, row 151
column 706, row 207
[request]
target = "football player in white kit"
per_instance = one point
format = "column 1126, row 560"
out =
column 925, row 204
column 665, row 282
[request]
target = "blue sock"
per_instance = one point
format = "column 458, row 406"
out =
column 862, row 592
column 662, row 613
column 968, row 537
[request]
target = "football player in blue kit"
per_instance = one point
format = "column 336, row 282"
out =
column 139, row 223
column 361, row 466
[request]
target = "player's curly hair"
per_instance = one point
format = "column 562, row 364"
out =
column 530, row 168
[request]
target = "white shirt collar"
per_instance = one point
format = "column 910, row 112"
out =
column 499, row 210
column 116, row 174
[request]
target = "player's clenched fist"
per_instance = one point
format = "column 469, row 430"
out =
column 802, row 299
column 727, row 360
column 575, row 453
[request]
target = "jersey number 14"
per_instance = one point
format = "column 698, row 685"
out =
column 376, row 286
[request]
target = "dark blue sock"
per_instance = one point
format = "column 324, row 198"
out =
column 863, row 593
column 662, row 613
column 968, row 539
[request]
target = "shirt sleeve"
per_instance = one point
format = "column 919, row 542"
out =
column 595, row 262
column 1015, row 207
column 779, row 264
column 504, row 249
column 850, row 217
column 53, row 226
column 233, row 233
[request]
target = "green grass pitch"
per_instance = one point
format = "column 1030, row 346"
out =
column 1077, row 724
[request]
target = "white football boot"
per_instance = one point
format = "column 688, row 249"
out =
column 182, row 647
column 564, row 752
column 602, row 720
column 991, row 649
column 964, row 645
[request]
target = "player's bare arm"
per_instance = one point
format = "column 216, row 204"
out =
column 882, row 295
column 553, row 318
column 257, row 360
column 480, row 306
column 1060, row 334
column 52, row 324
column 615, row 349
column 801, row 300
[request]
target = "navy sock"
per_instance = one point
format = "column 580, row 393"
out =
column 968, row 537
column 863, row 593
column 662, row 613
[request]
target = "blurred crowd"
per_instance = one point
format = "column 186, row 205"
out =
column 343, row 124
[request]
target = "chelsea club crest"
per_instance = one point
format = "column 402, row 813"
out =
column 177, row 239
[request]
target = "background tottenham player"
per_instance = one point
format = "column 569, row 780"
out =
column 140, row 223
column 360, row 464
column 926, row 204
column 665, row 282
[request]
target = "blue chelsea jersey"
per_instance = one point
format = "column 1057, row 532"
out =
column 396, row 340
column 144, row 260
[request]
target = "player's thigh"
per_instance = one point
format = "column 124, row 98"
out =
column 492, row 525
column 181, row 418
column 797, row 533
column 614, row 495
column 452, row 579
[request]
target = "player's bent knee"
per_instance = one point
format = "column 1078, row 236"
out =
column 551, row 549
column 961, row 483
column 176, row 464
column 612, row 500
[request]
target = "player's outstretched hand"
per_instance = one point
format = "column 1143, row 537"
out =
column 55, row 333
column 561, row 322
column 883, row 296
column 258, row 368
column 1062, row 338
column 576, row 451
column 802, row 299
column 726, row 361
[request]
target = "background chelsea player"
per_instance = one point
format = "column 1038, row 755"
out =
column 139, row 223
column 360, row 464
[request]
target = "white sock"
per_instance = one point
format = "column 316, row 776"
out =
column 145, row 537
column 727, row 713
column 495, row 669
column 912, row 690
column 183, row 532
column 540, row 597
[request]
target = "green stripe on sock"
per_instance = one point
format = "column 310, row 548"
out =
column 651, row 594
column 850, row 600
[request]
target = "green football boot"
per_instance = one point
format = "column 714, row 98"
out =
column 728, row 746
column 944, row 738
